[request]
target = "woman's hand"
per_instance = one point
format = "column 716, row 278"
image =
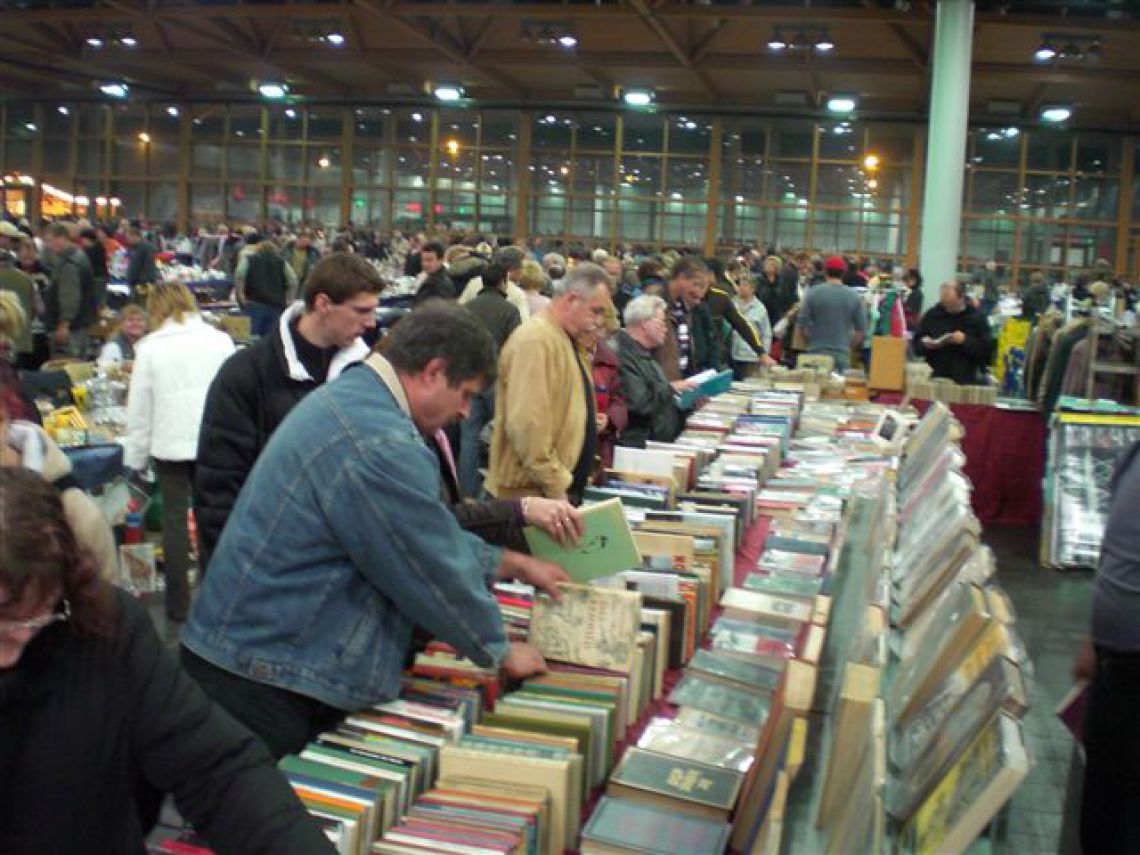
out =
column 561, row 520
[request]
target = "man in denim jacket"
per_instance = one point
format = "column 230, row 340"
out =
column 339, row 545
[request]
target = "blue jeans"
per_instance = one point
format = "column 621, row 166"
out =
column 470, row 443
column 263, row 318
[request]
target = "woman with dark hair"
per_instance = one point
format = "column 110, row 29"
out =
column 912, row 305
column 93, row 708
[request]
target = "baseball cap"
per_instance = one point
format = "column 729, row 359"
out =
column 835, row 263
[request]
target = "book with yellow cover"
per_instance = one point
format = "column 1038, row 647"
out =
column 590, row 626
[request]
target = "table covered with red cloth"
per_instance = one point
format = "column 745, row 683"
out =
column 1005, row 460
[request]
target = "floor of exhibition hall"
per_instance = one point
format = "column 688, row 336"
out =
column 1052, row 618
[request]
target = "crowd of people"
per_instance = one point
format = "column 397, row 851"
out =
column 349, row 499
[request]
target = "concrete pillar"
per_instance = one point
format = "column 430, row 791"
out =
column 946, row 144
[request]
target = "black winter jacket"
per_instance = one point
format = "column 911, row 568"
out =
column 85, row 721
column 653, row 412
column 962, row 363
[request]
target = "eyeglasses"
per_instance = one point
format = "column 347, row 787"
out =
column 63, row 614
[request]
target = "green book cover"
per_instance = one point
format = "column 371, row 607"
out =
column 679, row 778
column 799, row 587
column 645, row 828
column 606, row 548
column 319, row 753
column 736, row 670
column 715, row 696
column 510, row 746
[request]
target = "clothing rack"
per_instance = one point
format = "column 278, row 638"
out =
column 1100, row 327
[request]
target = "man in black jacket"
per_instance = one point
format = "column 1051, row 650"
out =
column 69, row 299
column 955, row 337
column 650, row 397
column 500, row 319
column 258, row 386
column 143, row 267
column 724, row 311
column 264, row 284
column 436, row 283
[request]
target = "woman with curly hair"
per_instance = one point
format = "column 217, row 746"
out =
column 93, row 710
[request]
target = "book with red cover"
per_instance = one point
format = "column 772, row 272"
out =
column 1072, row 708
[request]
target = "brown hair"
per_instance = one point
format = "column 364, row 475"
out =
column 38, row 551
column 689, row 268
column 342, row 275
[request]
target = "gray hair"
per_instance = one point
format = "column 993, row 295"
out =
column 642, row 309
column 582, row 281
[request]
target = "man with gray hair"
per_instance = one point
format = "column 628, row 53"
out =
column 512, row 258
column 650, row 397
column 545, row 432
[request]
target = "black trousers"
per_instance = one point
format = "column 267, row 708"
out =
column 285, row 721
column 1110, row 809
column 176, row 478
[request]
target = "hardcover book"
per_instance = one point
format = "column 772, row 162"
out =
column 606, row 548
column 673, row 783
column 621, row 825
column 589, row 626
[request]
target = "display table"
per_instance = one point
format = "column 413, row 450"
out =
column 1005, row 460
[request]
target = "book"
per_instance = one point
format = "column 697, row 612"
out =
column 706, row 384
column 588, row 626
column 793, row 587
column 752, row 606
column 971, row 793
column 606, row 547
column 1071, row 710
column 620, row 826
column 673, row 783
column 712, row 695
column 850, row 738
column 740, row 671
column 665, row 736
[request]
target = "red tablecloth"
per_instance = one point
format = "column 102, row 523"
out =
column 1005, row 461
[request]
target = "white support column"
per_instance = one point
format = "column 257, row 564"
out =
column 946, row 144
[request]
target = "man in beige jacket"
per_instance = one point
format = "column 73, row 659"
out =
column 544, row 437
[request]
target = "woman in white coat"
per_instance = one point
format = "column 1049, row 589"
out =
column 174, row 367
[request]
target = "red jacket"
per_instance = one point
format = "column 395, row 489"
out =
column 610, row 400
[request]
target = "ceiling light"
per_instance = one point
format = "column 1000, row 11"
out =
column 31, row 126
column 568, row 41
column 841, row 103
column 638, row 97
column 452, row 147
column 417, row 117
column 448, row 91
column 335, row 39
column 94, row 42
column 172, row 112
column 144, row 137
column 871, row 161
column 290, row 113
column 273, row 90
column 1056, row 113
column 824, row 44
column 116, row 201
column 1045, row 53
column 873, row 183
column 777, row 42
column 1010, row 133
column 323, row 162
column 690, row 125
column 129, row 42
column 82, row 201
column 114, row 90
column 63, row 111
column 100, row 200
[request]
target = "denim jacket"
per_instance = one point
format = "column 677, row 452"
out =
column 337, row 546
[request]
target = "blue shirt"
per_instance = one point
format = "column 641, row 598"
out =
column 338, row 545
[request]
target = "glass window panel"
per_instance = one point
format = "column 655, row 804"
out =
column 456, row 172
column 1047, row 195
column 994, row 191
column 788, row 182
column 882, row 234
column 413, row 166
column 893, row 143
column 836, row 231
column 744, row 175
column 130, row 157
column 17, row 156
column 994, row 147
column 90, row 158
column 369, row 165
column 92, row 119
column 1095, row 198
column 641, row 175
column 209, row 123
column 637, row 220
column 285, row 124
column 57, row 124
column 891, row 190
column 1040, row 242
column 789, row 226
column 741, row 224
column 497, row 172
column 1098, row 153
column 459, row 125
column 1087, row 244
column 1049, row 150
column 286, row 163
column 130, row 120
column 839, row 141
column 324, row 166
column 325, row 125
column 162, row 202
column 284, row 203
column 17, row 115
column 57, row 156
column 689, row 135
column 500, row 128
column 593, row 174
column 495, row 220
column 206, row 160
column 376, row 211
column 682, row 223
column 369, row 125
column 410, row 208
column 591, row 218
column 244, row 162
column 597, row 131
column 642, row 132
column 132, row 198
column 413, row 125
column 164, row 157
column 552, row 131
column 792, row 139
column 245, row 122
column 836, row 185
column 243, row 202
column 990, row 237
column 689, row 177
column 551, row 173
column 455, row 210
column 548, row 214
column 163, row 124
column 206, row 201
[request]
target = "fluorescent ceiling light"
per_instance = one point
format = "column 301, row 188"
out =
column 568, row 41
column 448, row 91
column 777, row 41
column 128, row 42
column 94, row 42
column 825, row 44
column 638, row 97
column 273, row 90
column 114, row 90
column 1056, row 113
column 841, row 103
column 1045, row 53
column 172, row 112
column 335, row 39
